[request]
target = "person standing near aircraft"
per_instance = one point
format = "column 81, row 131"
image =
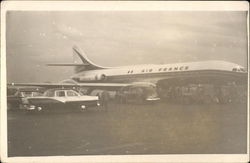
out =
column 105, row 99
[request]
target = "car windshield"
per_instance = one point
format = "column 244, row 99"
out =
column 81, row 93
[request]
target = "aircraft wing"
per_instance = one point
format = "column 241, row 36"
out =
column 110, row 86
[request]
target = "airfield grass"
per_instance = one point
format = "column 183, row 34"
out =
column 131, row 129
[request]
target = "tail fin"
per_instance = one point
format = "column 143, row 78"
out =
column 85, row 65
column 88, row 65
column 84, row 59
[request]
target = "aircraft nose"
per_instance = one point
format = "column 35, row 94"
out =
column 243, row 69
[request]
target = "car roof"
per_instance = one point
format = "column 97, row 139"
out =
column 61, row 89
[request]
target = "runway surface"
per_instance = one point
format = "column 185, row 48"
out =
column 131, row 129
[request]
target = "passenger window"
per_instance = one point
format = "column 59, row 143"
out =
column 60, row 93
column 165, row 69
column 71, row 93
column 159, row 69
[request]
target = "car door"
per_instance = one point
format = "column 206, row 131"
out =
column 61, row 96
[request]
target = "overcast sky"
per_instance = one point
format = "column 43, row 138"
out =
column 113, row 38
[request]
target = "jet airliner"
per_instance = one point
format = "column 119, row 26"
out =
column 89, row 74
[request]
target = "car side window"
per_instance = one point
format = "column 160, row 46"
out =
column 71, row 93
column 60, row 94
column 49, row 94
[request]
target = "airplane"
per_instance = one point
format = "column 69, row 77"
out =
column 90, row 75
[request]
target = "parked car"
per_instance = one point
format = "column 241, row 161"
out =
column 61, row 99
column 16, row 97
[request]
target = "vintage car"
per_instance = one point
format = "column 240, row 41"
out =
column 61, row 99
column 16, row 97
column 139, row 94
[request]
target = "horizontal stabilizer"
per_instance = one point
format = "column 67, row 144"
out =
column 67, row 64
column 86, row 64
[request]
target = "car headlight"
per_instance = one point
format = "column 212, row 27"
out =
column 39, row 108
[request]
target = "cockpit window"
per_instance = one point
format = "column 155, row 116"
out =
column 238, row 69
column 234, row 69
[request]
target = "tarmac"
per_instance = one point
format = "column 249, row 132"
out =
column 129, row 129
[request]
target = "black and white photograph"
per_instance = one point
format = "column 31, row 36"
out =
column 130, row 80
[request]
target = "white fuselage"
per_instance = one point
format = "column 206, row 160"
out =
column 153, row 73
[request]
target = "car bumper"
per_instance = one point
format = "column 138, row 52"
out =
column 153, row 99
